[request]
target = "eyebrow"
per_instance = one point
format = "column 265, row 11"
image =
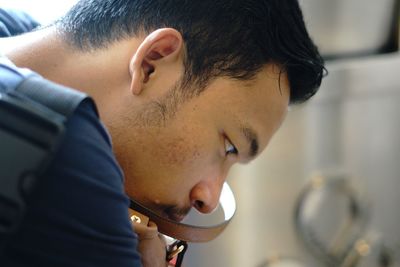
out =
column 252, row 140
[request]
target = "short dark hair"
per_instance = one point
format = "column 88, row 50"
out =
column 230, row 38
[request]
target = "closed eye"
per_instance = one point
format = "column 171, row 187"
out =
column 230, row 148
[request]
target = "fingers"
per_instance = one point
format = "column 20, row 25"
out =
column 152, row 245
column 149, row 231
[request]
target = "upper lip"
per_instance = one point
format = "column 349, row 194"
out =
column 175, row 215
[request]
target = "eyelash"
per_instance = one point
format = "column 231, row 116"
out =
column 230, row 148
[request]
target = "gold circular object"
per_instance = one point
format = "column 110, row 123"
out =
column 136, row 219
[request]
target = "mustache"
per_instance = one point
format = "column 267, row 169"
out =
column 173, row 212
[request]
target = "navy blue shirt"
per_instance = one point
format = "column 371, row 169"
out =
column 78, row 215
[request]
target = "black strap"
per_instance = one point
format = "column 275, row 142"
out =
column 32, row 123
column 179, row 260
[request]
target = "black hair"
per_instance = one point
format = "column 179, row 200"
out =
column 230, row 38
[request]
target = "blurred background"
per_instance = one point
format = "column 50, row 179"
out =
column 325, row 192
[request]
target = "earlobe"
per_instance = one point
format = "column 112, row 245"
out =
column 161, row 45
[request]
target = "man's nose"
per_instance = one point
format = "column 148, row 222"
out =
column 205, row 195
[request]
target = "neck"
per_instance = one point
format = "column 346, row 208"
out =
column 40, row 51
column 101, row 73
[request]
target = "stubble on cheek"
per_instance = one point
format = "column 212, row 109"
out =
column 180, row 152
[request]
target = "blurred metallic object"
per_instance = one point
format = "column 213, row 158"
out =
column 352, row 27
column 330, row 217
column 371, row 251
column 354, row 125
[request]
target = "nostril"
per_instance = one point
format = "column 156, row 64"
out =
column 199, row 205
column 204, row 196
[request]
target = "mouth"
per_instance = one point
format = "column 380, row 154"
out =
column 176, row 218
column 176, row 215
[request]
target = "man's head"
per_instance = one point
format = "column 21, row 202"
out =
column 207, row 84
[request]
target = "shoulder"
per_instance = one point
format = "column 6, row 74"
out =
column 10, row 75
column 85, row 187
column 87, row 147
column 79, row 211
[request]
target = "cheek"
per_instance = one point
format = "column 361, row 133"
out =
column 180, row 152
column 183, row 144
column 192, row 161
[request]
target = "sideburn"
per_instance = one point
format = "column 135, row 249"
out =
column 158, row 112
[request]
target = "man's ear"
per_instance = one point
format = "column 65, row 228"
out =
column 165, row 43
